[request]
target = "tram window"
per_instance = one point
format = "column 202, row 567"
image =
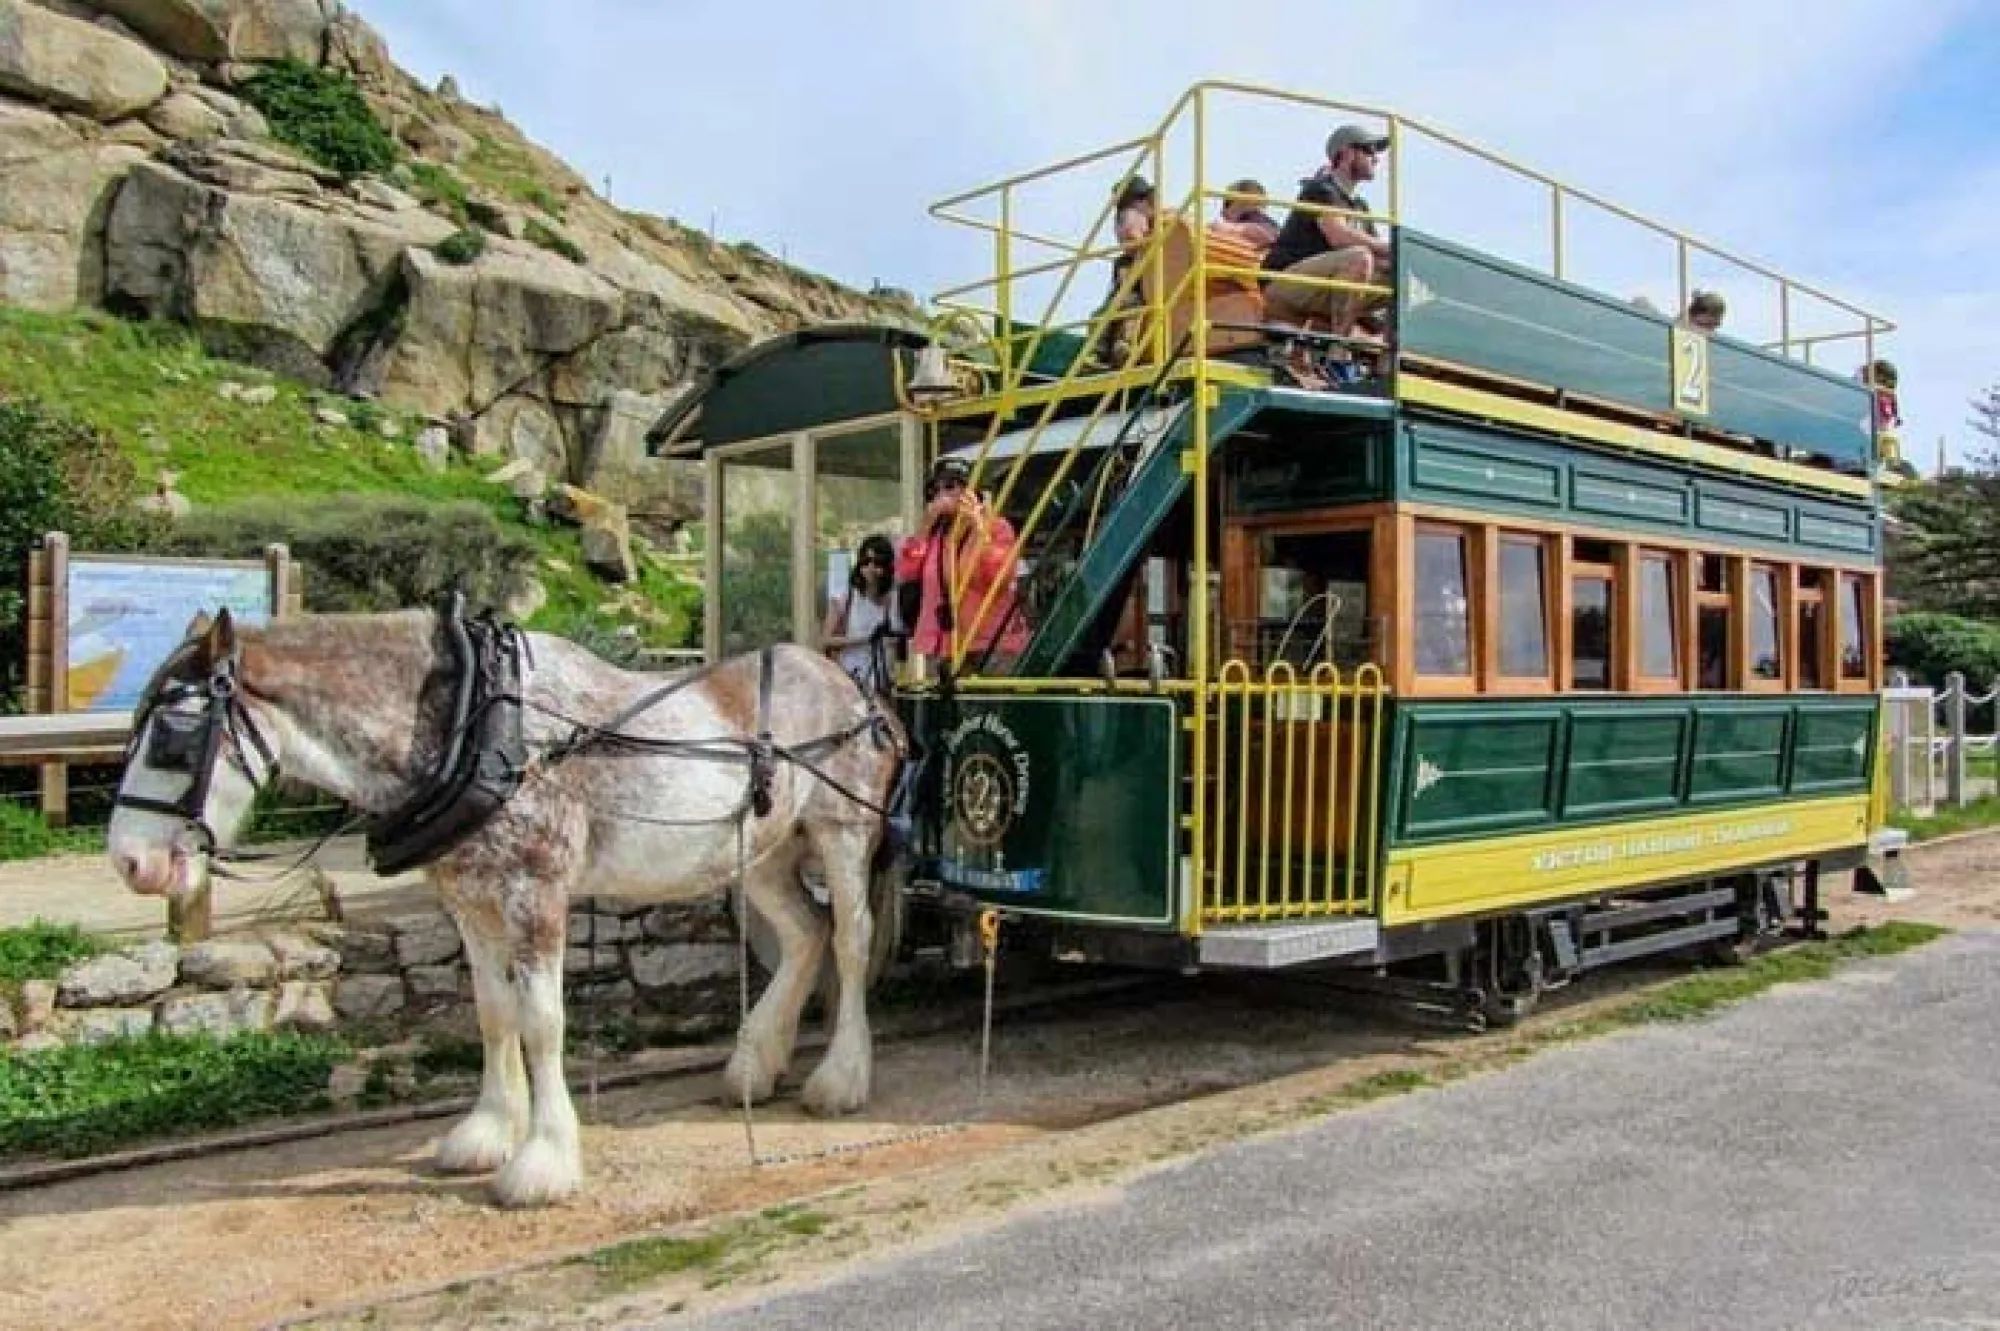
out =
column 1812, row 629
column 1853, row 649
column 1443, row 606
column 1659, row 620
column 1590, row 631
column 1524, row 609
column 1712, row 643
column 1313, row 598
column 1711, row 574
column 1766, row 655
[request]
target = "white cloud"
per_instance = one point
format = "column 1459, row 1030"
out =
column 823, row 131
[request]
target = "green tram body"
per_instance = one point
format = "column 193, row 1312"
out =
column 1615, row 820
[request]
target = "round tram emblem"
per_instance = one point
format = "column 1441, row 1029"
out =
column 983, row 793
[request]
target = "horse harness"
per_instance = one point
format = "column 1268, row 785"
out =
column 484, row 759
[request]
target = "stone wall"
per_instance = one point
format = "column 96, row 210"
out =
column 674, row 966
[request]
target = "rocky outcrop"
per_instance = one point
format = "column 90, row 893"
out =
column 140, row 179
column 75, row 66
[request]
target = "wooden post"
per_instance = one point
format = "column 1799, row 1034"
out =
column 278, row 562
column 1954, row 753
column 55, row 568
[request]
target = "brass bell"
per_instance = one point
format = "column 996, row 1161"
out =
column 933, row 381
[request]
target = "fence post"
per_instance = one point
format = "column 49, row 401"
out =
column 1954, row 754
column 55, row 566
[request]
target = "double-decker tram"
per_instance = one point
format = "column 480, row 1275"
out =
column 1335, row 591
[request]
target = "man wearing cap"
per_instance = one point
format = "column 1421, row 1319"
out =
column 962, row 540
column 1330, row 245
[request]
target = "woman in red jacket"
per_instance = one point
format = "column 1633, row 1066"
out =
column 982, row 557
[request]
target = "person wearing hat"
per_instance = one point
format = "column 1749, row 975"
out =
column 1133, row 205
column 1330, row 245
column 962, row 539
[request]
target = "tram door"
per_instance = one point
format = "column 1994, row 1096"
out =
column 1294, row 736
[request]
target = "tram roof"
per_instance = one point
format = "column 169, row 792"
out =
column 796, row 381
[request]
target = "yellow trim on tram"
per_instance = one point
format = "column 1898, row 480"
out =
column 1506, row 873
column 1427, row 392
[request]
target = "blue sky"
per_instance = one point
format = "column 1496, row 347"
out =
column 1850, row 144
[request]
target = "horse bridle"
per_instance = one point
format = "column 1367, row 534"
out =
column 178, row 741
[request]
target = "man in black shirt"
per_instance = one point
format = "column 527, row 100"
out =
column 1330, row 245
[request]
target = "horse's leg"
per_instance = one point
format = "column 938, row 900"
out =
column 548, row 1166
column 484, row 1139
column 764, row 1045
column 840, row 1084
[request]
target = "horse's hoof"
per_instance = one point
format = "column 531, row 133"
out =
column 745, row 1069
column 538, row 1175
column 835, row 1089
column 480, row 1144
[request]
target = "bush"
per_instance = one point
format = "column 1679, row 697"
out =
column 1931, row 646
column 554, row 241
column 84, row 1098
column 436, row 185
column 322, row 114
column 461, row 246
column 372, row 552
column 56, row 474
column 25, row 836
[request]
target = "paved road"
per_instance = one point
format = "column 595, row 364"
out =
column 1827, row 1156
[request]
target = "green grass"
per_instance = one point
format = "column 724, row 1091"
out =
column 720, row 1254
column 25, row 836
column 42, row 951
column 438, row 187
column 1946, row 820
column 154, row 391
column 508, row 170
column 82, row 1099
column 554, row 241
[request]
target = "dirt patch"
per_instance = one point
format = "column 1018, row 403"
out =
column 319, row 1227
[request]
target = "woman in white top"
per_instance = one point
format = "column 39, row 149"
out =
column 853, row 621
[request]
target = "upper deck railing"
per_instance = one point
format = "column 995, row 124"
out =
column 1032, row 221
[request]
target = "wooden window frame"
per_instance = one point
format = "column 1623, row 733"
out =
column 1871, row 619
column 1574, row 569
column 1780, row 582
column 1243, row 568
column 1679, row 577
column 1492, row 680
column 1474, row 536
column 1725, row 601
column 1826, row 650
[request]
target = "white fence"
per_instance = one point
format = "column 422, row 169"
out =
column 1943, row 743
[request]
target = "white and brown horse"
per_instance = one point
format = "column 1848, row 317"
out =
column 359, row 707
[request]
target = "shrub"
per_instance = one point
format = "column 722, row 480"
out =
column 554, row 241
column 1931, row 646
column 461, row 246
column 322, row 114
column 56, row 474
column 25, row 836
column 84, row 1098
column 372, row 552
column 436, row 185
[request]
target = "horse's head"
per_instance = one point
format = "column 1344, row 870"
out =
column 199, row 754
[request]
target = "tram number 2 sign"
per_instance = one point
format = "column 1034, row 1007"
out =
column 1690, row 371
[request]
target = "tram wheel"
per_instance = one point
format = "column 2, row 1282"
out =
column 1501, row 1011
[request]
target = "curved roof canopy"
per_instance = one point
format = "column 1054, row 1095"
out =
column 796, row 381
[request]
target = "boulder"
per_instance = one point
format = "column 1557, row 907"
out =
column 220, row 1015
column 433, row 984
column 369, row 997
column 353, row 46
column 75, row 66
column 53, row 212
column 677, row 965
column 304, row 1006
column 37, row 1006
column 472, row 334
column 574, row 504
column 9, row 1027
column 228, row 30
column 434, row 447
column 302, row 958
column 438, row 140
column 182, row 115
column 524, row 429
column 607, row 547
column 97, row 1025
column 244, row 121
column 222, row 963
column 616, row 452
column 28, row 132
column 424, row 940
column 263, row 279
column 130, row 976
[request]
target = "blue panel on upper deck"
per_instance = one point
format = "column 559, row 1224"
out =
column 1470, row 309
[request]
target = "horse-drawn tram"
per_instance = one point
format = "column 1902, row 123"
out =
column 1338, row 592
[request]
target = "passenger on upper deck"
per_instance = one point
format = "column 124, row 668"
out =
column 1334, row 246
column 1705, row 311
column 1132, row 223
column 1243, row 216
column 934, row 563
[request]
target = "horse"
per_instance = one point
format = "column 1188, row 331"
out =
column 672, row 807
